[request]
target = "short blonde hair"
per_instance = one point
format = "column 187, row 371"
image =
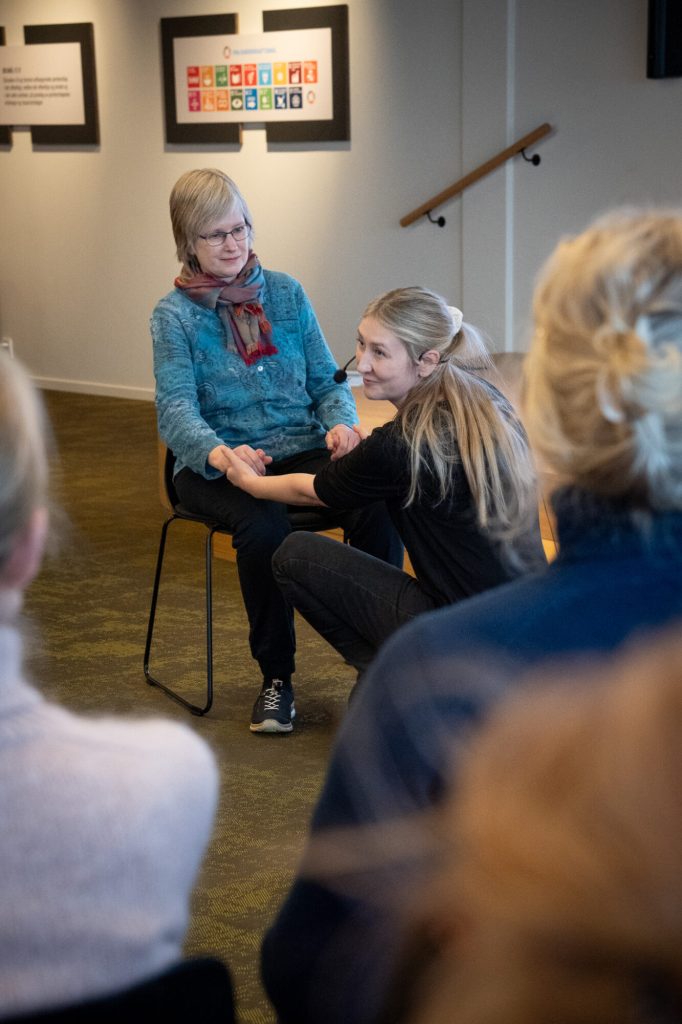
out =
column 23, row 458
column 603, row 378
column 197, row 199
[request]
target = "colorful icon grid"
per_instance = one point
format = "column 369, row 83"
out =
column 279, row 85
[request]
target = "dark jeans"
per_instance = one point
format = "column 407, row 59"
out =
column 353, row 600
column 258, row 528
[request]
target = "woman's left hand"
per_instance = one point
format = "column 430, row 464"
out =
column 238, row 471
column 340, row 440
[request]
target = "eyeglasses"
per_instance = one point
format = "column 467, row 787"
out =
column 217, row 238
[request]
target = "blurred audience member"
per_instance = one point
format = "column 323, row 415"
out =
column 105, row 822
column 603, row 407
column 557, row 897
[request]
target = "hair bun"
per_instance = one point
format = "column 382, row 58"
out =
column 625, row 356
column 457, row 319
column 623, row 349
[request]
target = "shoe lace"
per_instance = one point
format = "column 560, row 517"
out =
column 273, row 695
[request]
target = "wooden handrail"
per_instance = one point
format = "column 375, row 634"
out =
column 475, row 175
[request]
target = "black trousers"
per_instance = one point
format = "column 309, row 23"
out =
column 258, row 528
column 355, row 602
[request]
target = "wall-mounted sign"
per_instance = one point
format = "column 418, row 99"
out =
column 274, row 76
column 41, row 84
column 49, row 84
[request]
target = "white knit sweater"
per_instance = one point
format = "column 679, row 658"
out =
column 103, row 823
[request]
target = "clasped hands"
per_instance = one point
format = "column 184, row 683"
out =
column 254, row 460
column 244, row 462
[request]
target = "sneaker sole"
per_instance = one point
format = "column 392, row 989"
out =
column 270, row 725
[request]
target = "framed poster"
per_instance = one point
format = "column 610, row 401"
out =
column 178, row 131
column 336, row 128
column 5, row 129
column 86, row 131
column 267, row 76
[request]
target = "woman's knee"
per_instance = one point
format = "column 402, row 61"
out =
column 293, row 548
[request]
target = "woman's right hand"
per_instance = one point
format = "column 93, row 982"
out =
column 221, row 457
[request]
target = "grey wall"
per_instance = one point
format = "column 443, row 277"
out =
column 436, row 88
column 581, row 66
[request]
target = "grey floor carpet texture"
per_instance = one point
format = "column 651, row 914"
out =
column 85, row 624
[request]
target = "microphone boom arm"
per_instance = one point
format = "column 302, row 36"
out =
column 340, row 375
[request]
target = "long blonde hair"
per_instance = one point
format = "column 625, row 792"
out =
column 488, row 437
column 23, row 459
column 559, row 896
column 603, row 378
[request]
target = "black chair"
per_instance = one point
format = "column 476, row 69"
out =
column 301, row 518
column 198, row 989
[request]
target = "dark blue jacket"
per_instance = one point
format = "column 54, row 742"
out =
column 328, row 956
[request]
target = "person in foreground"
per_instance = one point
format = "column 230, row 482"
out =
column 105, row 821
column 603, row 407
column 240, row 360
column 453, row 467
column 555, row 892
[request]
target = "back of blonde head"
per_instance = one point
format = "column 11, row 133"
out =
column 603, row 389
column 560, row 896
column 23, row 462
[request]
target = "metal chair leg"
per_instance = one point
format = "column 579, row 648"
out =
column 194, row 708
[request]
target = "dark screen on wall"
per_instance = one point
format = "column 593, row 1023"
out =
column 664, row 45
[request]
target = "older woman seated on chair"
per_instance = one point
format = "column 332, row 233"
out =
column 240, row 360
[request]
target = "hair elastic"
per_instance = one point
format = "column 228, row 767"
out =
column 457, row 318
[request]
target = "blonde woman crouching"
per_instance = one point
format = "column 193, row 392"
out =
column 453, row 467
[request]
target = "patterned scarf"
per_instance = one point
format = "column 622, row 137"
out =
column 247, row 330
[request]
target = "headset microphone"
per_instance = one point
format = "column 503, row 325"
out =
column 341, row 374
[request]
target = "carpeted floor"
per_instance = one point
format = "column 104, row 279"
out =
column 85, row 625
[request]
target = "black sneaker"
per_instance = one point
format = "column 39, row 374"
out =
column 274, row 708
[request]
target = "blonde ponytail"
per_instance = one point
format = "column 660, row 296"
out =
column 488, row 438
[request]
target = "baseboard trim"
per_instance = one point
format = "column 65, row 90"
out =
column 91, row 387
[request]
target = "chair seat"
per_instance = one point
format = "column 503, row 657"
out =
column 194, row 517
column 301, row 518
